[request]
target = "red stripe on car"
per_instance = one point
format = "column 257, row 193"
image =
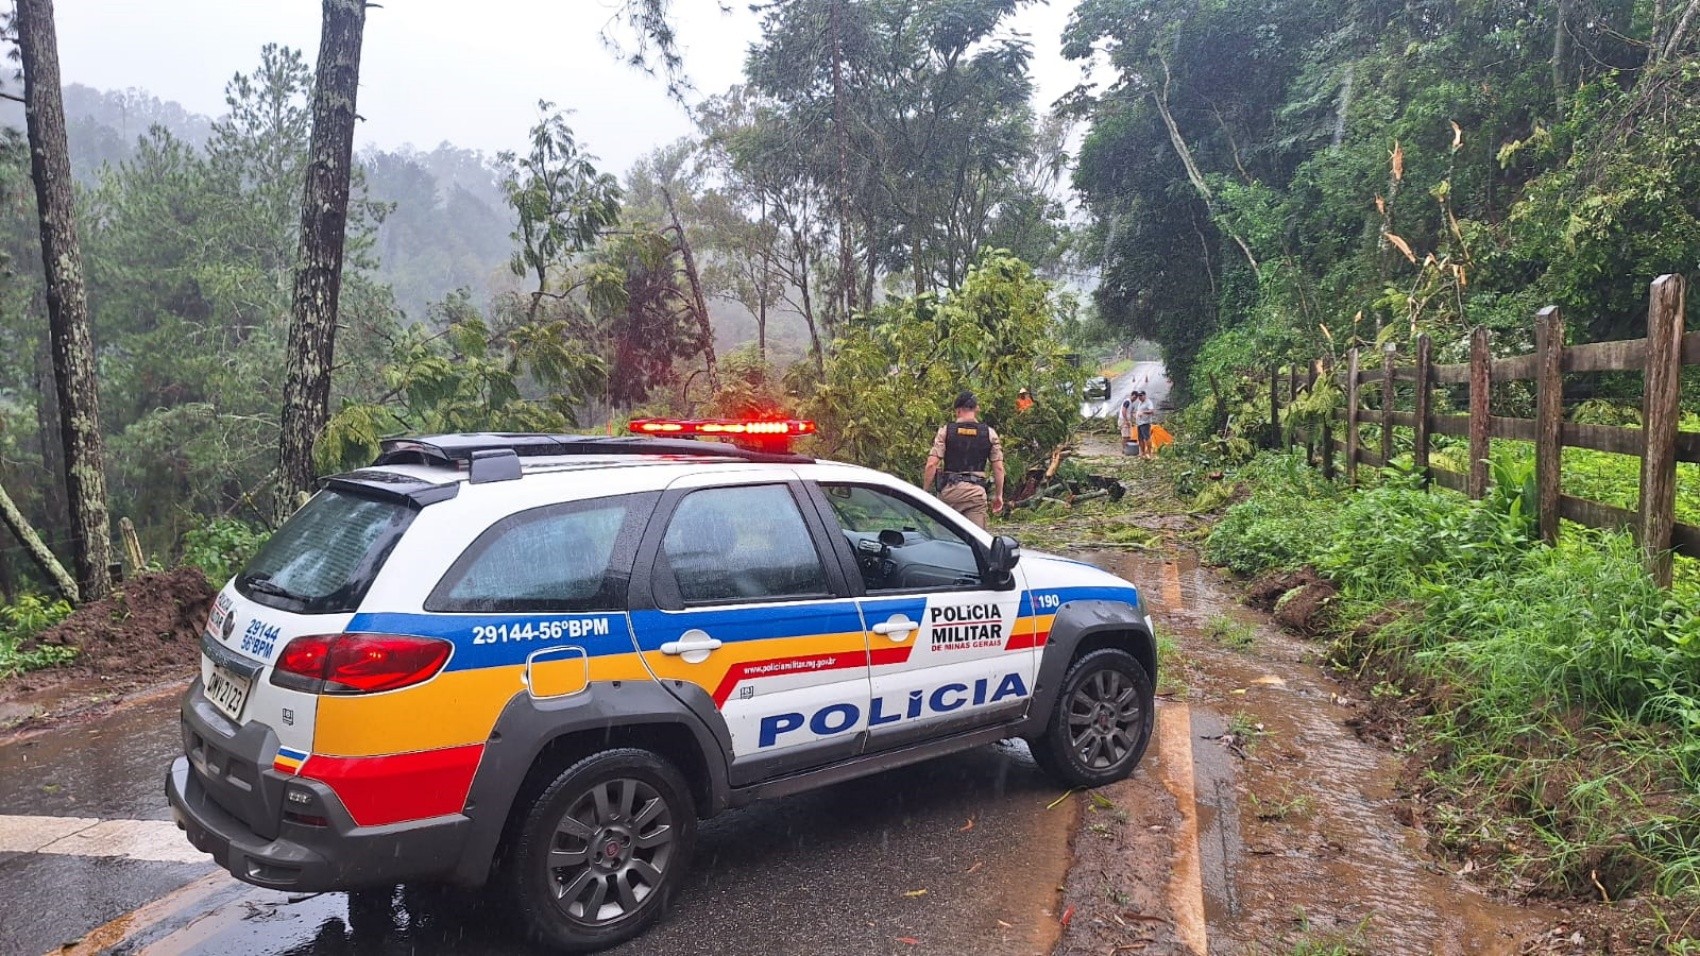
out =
column 399, row 787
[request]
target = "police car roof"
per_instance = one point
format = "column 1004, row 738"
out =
column 423, row 470
column 471, row 446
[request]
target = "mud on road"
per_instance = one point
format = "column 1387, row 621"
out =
column 1260, row 823
column 141, row 641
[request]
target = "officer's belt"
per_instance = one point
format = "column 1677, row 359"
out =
column 968, row 477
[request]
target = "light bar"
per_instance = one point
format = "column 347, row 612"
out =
column 714, row 427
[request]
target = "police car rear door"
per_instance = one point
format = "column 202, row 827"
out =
column 748, row 613
column 948, row 651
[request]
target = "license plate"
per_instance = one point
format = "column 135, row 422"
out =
column 228, row 691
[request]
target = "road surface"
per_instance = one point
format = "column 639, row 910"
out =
column 1150, row 376
column 84, row 824
column 1211, row 847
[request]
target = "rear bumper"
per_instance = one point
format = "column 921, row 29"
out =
column 239, row 818
column 313, row 859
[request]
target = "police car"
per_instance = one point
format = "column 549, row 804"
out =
column 537, row 661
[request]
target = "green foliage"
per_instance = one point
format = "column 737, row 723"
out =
column 1371, row 171
column 466, row 376
column 1540, row 654
column 20, row 622
column 564, row 203
column 893, row 377
column 221, row 547
column 928, row 105
column 1276, row 528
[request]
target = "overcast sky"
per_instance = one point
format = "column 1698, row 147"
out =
column 436, row 70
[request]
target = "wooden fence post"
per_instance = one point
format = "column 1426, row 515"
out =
column 1292, row 397
column 1274, row 406
column 132, row 545
column 1660, row 414
column 1387, row 395
column 1481, row 410
column 1425, row 371
column 1321, row 370
column 1311, row 438
column 1549, row 416
column 1352, row 413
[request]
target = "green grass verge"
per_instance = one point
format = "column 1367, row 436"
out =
column 1559, row 687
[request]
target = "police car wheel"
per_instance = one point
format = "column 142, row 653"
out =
column 603, row 849
column 1101, row 723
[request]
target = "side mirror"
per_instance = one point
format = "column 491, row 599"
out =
column 1006, row 554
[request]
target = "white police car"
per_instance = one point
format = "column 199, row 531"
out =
column 541, row 659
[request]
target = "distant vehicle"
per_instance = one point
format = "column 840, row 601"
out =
column 1097, row 389
column 536, row 660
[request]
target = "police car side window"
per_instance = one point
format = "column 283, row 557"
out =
column 556, row 558
column 728, row 545
column 931, row 555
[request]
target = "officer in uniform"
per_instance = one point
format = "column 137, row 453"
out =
column 965, row 447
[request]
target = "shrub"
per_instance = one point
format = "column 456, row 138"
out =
column 221, row 547
column 20, row 622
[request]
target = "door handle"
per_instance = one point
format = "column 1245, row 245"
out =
column 898, row 628
column 693, row 645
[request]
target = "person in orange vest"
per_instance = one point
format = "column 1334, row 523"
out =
column 1023, row 400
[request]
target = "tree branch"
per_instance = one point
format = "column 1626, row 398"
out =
column 1192, row 171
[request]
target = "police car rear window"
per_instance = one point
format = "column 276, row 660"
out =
column 323, row 560
column 575, row 556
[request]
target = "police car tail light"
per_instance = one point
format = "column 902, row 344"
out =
column 723, row 427
column 358, row 663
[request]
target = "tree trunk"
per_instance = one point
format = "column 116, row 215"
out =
column 55, row 525
column 72, row 342
column 50, row 567
column 846, row 260
column 765, row 287
column 318, row 274
column 699, row 305
column 1193, row 173
column 800, row 244
column 1560, row 55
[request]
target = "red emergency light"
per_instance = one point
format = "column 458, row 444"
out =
column 723, row 428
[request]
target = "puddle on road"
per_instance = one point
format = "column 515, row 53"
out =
column 1301, row 830
column 111, row 767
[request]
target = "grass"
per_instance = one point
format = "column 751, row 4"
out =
column 1556, row 689
column 1117, row 368
column 1279, row 807
column 1229, row 632
column 19, row 623
column 1311, row 942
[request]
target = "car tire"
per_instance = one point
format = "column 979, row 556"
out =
column 601, row 852
column 1101, row 722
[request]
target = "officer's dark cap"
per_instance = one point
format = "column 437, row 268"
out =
column 967, row 400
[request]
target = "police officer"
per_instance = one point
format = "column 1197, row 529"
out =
column 965, row 447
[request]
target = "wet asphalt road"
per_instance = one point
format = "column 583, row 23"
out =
column 1151, row 377
column 841, row 870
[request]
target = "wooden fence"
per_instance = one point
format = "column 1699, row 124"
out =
column 1658, row 443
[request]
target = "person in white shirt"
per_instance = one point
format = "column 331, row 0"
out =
column 1124, row 422
column 1144, row 413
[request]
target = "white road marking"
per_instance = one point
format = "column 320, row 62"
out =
column 158, row 841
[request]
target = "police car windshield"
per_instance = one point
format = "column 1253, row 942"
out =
column 324, row 558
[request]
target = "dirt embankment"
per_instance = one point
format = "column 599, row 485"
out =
column 143, row 635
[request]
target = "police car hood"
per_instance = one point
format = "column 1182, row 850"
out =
column 1045, row 570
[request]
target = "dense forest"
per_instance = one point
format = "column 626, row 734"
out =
column 1284, row 179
